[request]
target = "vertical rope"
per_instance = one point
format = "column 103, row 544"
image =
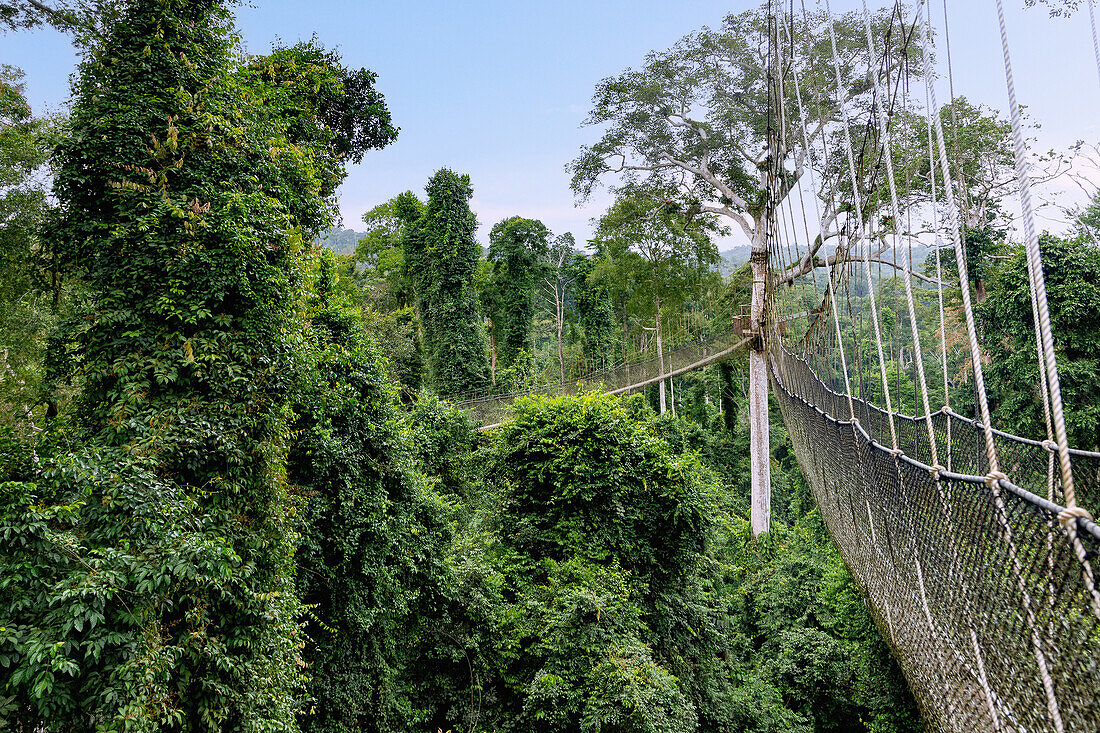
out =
column 1095, row 44
column 1035, row 271
column 955, row 222
column 1068, row 518
column 995, row 475
column 857, row 204
column 884, row 132
column 939, row 274
column 821, row 228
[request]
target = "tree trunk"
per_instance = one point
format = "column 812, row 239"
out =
column 759, row 448
column 492, row 353
column 626, row 351
column 660, row 352
column 559, row 308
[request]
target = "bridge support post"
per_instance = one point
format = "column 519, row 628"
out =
column 759, row 439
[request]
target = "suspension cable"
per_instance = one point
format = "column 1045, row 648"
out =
column 857, row 204
column 884, row 132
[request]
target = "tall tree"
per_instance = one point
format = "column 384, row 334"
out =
column 185, row 203
column 443, row 254
column 556, row 281
column 517, row 249
column 595, row 313
column 694, row 120
column 647, row 233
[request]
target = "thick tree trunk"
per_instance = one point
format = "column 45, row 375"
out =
column 759, row 448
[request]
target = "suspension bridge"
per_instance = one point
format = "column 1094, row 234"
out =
column 975, row 547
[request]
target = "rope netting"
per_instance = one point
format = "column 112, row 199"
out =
column 973, row 544
column 970, row 581
column 624, row 377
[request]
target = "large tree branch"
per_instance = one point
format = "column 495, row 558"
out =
column 808, row 263
column 710, row 178
column 735, row 215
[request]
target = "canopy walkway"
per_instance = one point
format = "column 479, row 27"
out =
column 489, row 410
column 975, row 547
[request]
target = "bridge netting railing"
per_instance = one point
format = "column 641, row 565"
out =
column 960, row 440
column 985, row 600
column 625, row 377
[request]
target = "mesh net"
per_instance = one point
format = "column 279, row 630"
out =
column 975, row 585
column 625, row 377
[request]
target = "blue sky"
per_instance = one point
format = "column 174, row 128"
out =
column 499, row 89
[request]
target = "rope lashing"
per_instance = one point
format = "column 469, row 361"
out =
column 1070, row 515
column 993, row 477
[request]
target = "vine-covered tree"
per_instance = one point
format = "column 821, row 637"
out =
column 517, row 249
column 332, row 110
column 442, row 254
column 185, row 204
column 369, row 543
column 595, row 314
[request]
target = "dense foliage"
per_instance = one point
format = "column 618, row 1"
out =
column 442, row 255
column 32, row 284
column 232, row 499
column 517, row 247
column 154, row 543
column 1071, row 268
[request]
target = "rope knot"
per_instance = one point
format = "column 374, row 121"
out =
column 993, row 477
column 935, row 471
column 1050, row 445
column 895, row 452
column 1068, row 517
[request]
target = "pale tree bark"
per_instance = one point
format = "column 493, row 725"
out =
column 660, row 348
column 492, row 354
column 560, row 305
column 759, row 439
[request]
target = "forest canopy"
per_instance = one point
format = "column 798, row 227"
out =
column 242, row 481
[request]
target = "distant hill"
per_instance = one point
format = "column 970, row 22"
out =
column 733, row 259
column 340, row 241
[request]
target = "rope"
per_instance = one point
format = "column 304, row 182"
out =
column 939, row 273
column 821, row 226
column 1095, row 44
column 884, row 128
column 1035, row 270
column 857, row 204
column 960, row 259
